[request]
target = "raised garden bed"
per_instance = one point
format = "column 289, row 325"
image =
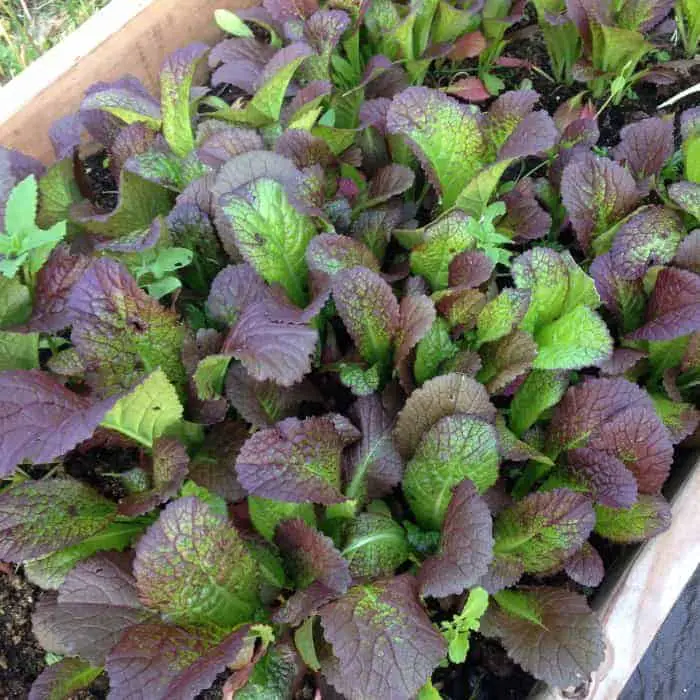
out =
column 642, row 581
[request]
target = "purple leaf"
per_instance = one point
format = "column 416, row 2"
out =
column 296, row 461
column 304, row 603
column 439, row 397
column 649, row 237
column 688, row 253
column 559, row 642
column 471, row 268
column 416, row 317
column 305, row 98
column 304, row 149
column 597, row 193
column 289, row 10
column 611, row 483
column 373, row 466
column 193, row 566
column 534, row 135
column 226, row 143
column 233, row 290
column 503, row 572
column 156, row 661
column 383, row 78
column 131, row 141
column 645, row 146
column 41, row 420
column 623, row 298
column 525, row 218
column 674, row 306
column 384, row 645
column 687, row 196
column 388, row 182
column 170, row 462
column 466, row 546
column 374, row 113
column 127, row 100
column 65, row 135
column 329, row 253
column 586, row 566
column 241, row 49
column 506, row 359
column 53, row 286
column 622, row 361
column 118, row 330
column 96, row 603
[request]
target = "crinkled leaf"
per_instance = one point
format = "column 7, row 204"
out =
column 687, row 196
column 416, row 318
column 471, row 269
column 466, row 545
column 63, row 678
column 645, row 146
column 688, row 252
column 58, row 191
column 233, row 289
column 19, row 351
column 368, row 308
column 444, row 134
column 674, row 306
column 16, row 300
column 550, row 632
column 210, row 375
column 525, row 218
column 501, row 315
column 648, row 517
column 40, row 419
column 455, row 448
column 681, row 419
column 389, row 182
column 544, row 529
column 14, row 167
column 328, row 254
column 41, row 517
column 192, row 565
column 120, row 332
column 507, row 359
column 585, row 566
column 623, row 298
column 443, row 396
column 374, row 545
column 275, row 676
column 434, row 348
column 128, row 100
column 540, row 391
column 610, row 482
column 296, row 461
column 149, row 411
column 383, row 642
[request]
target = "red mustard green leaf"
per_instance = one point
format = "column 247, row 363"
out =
column 681, row 419
column 372, row 466
column 170, row 462
column 597, row 193
column 41, row 517
column 266, row 514
column 621, row 361
column 310, row 556
column 544, row 529
column 507, row 359
column 688, row 253
column 15, row 167
column 96, row 603
column 443, row 396
column 384, row 645
column 610, row 482
column 648, row 517
column 687, row 196
column 329, row 253
column 645, row 146
column 623, row 298
column 649, row 237
column 41, row 420
column 128, row 100
column 674, row 307
column 296, row 461
column 164, row 662
column 62, row 679
column 192, row 566
column 534, row 135
column 472, row 268
column 443, row 133
column 368, row 308
column 388, row 182
column 550, row 632
column 416, row 318
column 505, row 114
column 466, row 546
column 455, row 448
column 525, row 219
column 585, row 566
column 120, row 332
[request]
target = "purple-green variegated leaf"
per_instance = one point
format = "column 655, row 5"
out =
column 53, row 286
column 466, row 545
column 383, row 644
column 621, row 361
column 223, row 144
column 525, row 219
column 41, row 517
column 585, row 566
column 645, row 146
column 329, row 253
column 193, row 566
column 128, row 101
column 368, row 308
column 306, row 99
column 304, row 149
column 534, row 135
column 687, row 196
column 649, row 237
column 119, row 331
column 132, row 140
column 505, row 114
column 323, row 30
column 688, row 253
column 96, row 603
column 597, row 193
column 681, row 419
column 643, row 15
column 442, row 396
column 623, row 298
column 41, row 420
column 646, row 518
column 507, row 359
column 62, row 679
column 161, row 661
column 374, row 113
column 550, row 632
column 674, row 306
column 610, row 482
column 14, row 167
column 372, row 466
column 296, row 461
column 444, row 134
column 234, row 289
column 416, row 317
column 544, row 529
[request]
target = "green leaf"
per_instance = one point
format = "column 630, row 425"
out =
column 304, row 642
column 498, row 318
column 475, row 196
column 216, row 503
column 15, row 302
column 375, row 545
column 429, row 691
column 432, row 350
column 231, row 23
column 578, row 339
column 361, row 381
column 19, row 350
column 455, row 448
column 21, row 206
column 540, row 391
column 520, row 604
column 64, row 678
column 266, row 514
column 274, row 676
column 457, row 630
column 210, row 375
column 152, row 409
column 649, row 516
column 58, row 192
column 272, row 235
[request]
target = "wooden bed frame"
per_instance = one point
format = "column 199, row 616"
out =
column 133, row 37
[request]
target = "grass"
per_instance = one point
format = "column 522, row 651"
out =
column 28, row 28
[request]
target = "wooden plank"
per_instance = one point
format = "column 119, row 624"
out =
column 637, row 604
column 127, row 36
